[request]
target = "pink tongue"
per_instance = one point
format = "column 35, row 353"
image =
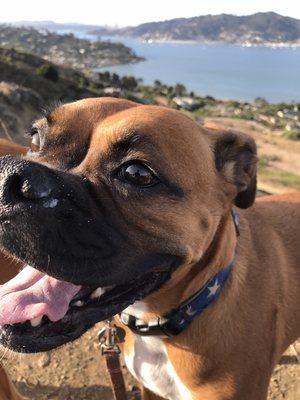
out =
column 32, row 294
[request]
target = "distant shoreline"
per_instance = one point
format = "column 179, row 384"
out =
column 245, row 44
column 203, row 42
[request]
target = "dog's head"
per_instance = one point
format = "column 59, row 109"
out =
column 110, row 200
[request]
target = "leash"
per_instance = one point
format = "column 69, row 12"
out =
column 109, row 338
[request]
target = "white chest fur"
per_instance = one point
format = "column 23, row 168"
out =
column 149, row 363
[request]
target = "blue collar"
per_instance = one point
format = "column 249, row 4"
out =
column 179, row 319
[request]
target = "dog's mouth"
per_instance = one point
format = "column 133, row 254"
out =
column 39, row 312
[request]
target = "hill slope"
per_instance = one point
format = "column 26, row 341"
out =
column 256, row 29
column 26, row 85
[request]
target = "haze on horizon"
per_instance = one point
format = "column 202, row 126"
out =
column 134, row 12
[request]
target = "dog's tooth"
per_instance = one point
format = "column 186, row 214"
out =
column 35, row 322
column 100, row 291
column 78, row 303
column 97, row 293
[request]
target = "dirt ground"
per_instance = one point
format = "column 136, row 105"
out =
column 77, row 371
column 74, row 372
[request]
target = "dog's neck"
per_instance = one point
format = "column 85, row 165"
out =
column 188, row 279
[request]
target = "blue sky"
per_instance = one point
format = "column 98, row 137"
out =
column 133, row 12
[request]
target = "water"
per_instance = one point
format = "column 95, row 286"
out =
column 223, row 71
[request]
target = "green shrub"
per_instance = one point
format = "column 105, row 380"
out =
column 49, row 72
column 294, row 134
column 83, row 82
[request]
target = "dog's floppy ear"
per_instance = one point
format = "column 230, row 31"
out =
column 236, row 159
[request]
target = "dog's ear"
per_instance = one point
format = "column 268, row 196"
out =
column 236, row 159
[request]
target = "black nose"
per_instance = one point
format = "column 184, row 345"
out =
column 22, row 180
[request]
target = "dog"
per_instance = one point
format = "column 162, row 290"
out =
column 8, row 269
column 129, row 209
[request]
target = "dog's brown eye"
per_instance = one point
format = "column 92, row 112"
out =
column 139, row 175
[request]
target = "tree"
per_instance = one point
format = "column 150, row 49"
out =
column 170, row 90
column 179, row 89
column 104, row 77
column 260, row 102
column 129, row 82
column 115, row 80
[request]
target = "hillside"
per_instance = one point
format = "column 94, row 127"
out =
column 28, row 83
column 259, row 28
column 66, row 49
column 31, row 71
column 55, row 26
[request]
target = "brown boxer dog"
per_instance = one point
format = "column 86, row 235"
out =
column 122, row 207
column 8, row 269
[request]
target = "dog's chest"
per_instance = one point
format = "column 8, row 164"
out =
column 148, row 362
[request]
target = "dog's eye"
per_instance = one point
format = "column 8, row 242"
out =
column 35, row 144
column 139, row 175
column 35, row 140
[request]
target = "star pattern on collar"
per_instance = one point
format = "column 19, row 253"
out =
column 214, row 288
column 190, row 311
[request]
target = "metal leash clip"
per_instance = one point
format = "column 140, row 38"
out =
column 109, row 336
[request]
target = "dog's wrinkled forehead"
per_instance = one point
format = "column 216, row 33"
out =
column 87, row 129
column 66, row 130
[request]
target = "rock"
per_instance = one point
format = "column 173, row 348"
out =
column 44, row 360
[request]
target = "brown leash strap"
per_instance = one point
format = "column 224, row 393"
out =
column 116, row 375
column 109, row 337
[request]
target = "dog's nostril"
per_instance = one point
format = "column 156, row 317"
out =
column 14, row 188
column 25, row 181
column 32, row 192
column 20, row 188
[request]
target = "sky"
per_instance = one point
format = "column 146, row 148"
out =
column 134, row 12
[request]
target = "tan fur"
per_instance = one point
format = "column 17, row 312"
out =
column 8, row 268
